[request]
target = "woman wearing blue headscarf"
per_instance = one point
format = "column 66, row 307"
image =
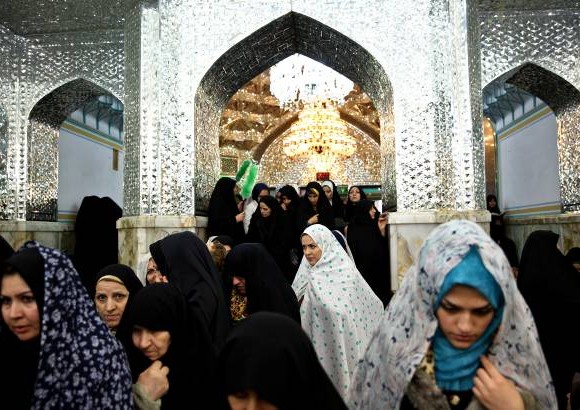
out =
column 456, row 335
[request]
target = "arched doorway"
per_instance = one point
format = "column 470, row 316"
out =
column 44, row 124
column 287, row 35
column 546, row 181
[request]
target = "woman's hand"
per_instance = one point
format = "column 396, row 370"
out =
column 153, row 380
column 240, row 217
column 382, row 223
column 313, row 220
column 493, row 390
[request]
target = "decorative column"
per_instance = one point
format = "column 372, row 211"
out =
column 440, row 172
column 159, row 164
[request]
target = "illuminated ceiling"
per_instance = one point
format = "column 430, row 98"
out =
column 253, row 115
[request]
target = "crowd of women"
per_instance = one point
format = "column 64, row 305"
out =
column 293, row 312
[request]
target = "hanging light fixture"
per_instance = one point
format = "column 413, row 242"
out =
column 299, row 82
column 319, row 131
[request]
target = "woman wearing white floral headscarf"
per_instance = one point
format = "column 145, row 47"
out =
column 339, row 311
column 437, row 348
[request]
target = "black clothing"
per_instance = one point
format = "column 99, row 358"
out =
column 222, row 211
column 124, row 273
column 350, row 207
column 5, row 250
column 266, row 287
column 370, row 250
column 19, row 360
column 187, row 263
column 323, row 208
column 551, row 288
column 271, row 354
column 275, row 233
column 190, row 357
column 96, row 240
column 294, row 231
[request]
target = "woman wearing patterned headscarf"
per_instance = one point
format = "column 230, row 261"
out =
column 339, row 311
column 55, row 350
column 457, row 333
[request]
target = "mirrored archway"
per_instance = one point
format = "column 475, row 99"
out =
column 287, row 35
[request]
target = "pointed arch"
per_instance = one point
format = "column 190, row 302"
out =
column 564, row 100
column 289, row 34
column 44, row 121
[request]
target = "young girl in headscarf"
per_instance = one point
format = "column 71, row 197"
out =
column 314, row 208
column 55, row 351
column 456, row 334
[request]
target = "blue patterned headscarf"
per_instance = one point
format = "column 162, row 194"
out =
column 455, row 368
column 81, row 365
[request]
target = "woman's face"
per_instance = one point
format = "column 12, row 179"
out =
column 354, row 194
column 327, row 192
column 240, row 285
column 249, row 400
column 153, row 344
column 492, row 203
column 111, row 299
column 372, row 212
column 154, row 275
column 464, row 314
column 19, row 309
column 312, row 252
column 313, row 198
column 265, row 210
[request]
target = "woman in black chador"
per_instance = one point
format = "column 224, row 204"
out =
column 96, row 242
column 314, row 208
column 551, row 287
column 223, row 214
column 186, row 262
column 368, row 241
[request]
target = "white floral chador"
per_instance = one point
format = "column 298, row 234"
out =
column 339, row 310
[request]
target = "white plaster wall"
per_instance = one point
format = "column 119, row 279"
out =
column 528, row 168
column 85, row 167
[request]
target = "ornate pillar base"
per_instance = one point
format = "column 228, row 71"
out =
column 408, row 230
column 52, row 234
column 136, row 233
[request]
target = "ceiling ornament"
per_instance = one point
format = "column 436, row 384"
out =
column 319, row 132
column 298, row 80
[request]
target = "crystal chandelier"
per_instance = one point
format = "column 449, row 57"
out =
column 319, row 132
column 299, row 80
